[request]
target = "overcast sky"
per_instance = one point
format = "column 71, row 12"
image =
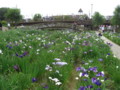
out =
column 58, row 7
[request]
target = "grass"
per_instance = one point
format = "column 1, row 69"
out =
column 56, row 60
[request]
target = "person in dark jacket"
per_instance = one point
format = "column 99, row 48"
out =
column 0, row 26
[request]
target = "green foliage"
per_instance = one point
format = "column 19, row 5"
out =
column 14, row 15
column 98, row 19
column 67, row 17
column 116, row 18
column 3, row 11
column 4, row 23
column 37, row 17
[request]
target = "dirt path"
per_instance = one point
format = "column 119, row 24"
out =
column 114, row 47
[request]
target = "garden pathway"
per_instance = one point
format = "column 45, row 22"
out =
column 114, row 47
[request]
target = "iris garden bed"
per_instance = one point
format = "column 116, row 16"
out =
column 115, row 37
column 56, row 60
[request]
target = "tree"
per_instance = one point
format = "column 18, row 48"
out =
column 3, row 11
column 13, row 15
column 98, row 19
column 83, row 17
column 116, row 17
column 37, row 17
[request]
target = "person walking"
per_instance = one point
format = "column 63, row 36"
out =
column 8, row 25
column 0, row 26
column 100, row 31
column 102, row 28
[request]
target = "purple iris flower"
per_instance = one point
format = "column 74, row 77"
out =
column 45, row 87
column 85, row 41
column 82, row 88
column 89, row 86
column 21, row 56
column 100, row 74
column 100, row 59
column 17, row 54
column 108, row 54
column 34, row 79
column 95, row 81
column 84, row 74
column 98, row 83
column 85, row 80
column 81, row 68
column 25, row 53
column 16, row 67
column 10, row 47
column 94, row 69
column 78, row 68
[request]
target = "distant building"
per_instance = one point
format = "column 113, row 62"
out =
column 108, row 17
column 80, row 11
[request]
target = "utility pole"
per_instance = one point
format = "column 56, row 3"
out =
column 89, row 14
column 91, row 10
column 16, row 6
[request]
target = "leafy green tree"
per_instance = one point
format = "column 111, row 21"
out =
column 37, row 17
column 14, row 15
column 3, row 11
column 58, row 18
column 68, row 17
column 98, row 19
column 116, row 17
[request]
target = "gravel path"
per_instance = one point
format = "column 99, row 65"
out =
column 114, row 47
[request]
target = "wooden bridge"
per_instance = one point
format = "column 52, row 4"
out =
column 58, row 24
